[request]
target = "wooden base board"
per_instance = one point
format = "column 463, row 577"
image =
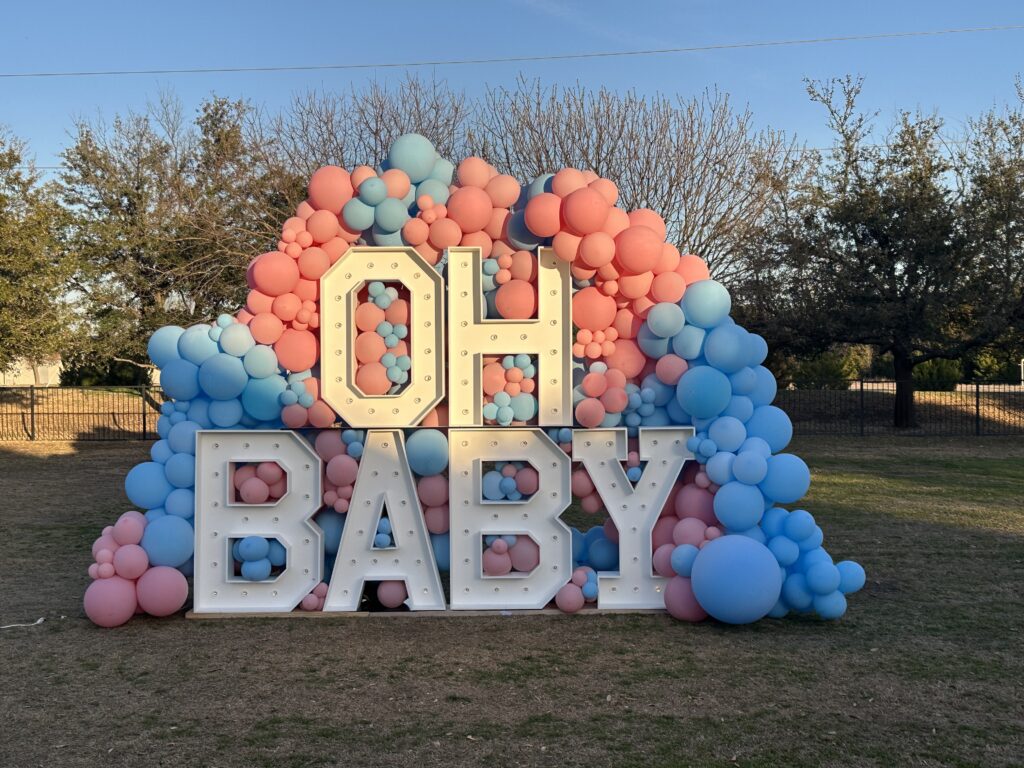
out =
column 412, row 614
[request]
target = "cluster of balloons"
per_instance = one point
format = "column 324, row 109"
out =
column 581, row 589
column 301, row 403
column 510, row 481
column 382, row 344
column 503, row 555
column 125, row 581
column 258, row 483
column 509, row 383
column 257, row 558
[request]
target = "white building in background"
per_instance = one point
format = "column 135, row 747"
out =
column 25, row 374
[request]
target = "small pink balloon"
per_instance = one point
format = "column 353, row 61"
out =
column 712, row 532
column 105, row 556
column 689, row 530
column 294, row 416
column 610, row 531
column 320, row 590
column 713, row 488
column 341, row 506
column 269, row 472
column 242, row 473
column 129, row 530
column 110, row 602
column 662, row 533
column 496, row 564
column 329, row 498
column 329, row 444
column 569, row 598
column 94, row 571
column 591, row 504
column 663, row 560
column 696, row 502
column 277, row 490
column 702, row 480
column 437, row 519
column 391, row 593
column 681, row 602
column 342, row 470
column 254, row 491
column 162, row 590
column 579, row 577
column 500, row 546
column 108, row 530
column 581, row 483
column 525, row 554
column 106, row 541
column 131, row 561
column 309, row 602
column 105, row 570
column 527, row 481
column 433, row 490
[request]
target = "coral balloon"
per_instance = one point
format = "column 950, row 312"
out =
column 323, row 226
column 313, row 262
column 473, row 172
column 585, row 211
column 503, row 191
column 470, row 208
column 567, row 181
column 330, row 188
column 543, row 215
column 296, row 350
column 266, row 328
column 275, row 273
column 373, row 379
column 645, row 217
column 110, row 602
column 397, row 182
column 637, row 248
column 445, row 233
column 592, row 310
column 162, row 591
column 516, row 300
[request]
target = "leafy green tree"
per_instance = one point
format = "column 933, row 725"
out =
column 34, row 316
column 896, row 243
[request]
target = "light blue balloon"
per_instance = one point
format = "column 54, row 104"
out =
column 491, row 486
column 443, row 171
column 590, row 590
column 738, row 506
column 765, row 389
column 520, row 235
column 728, row 433
column 260, row 361
column 757, row 349
column 223, row 376
column 743, row 381
column 253, row 548
column 652, row 345
column 706, row 303
column 332, row 524
column 146, row 485
column 256, row 570
column 260, row 397
column 739, row 407
column 823, row 578
column 427, row 450
column 726, row 348
column 814, row 540
column 226, row 413
column 163, row 345
column 785, row 550
column 773, row 521
column 524, row 406
column 180, row 470
column 382, row 541
column 787, row 479
column 195, row 345
column 682, row 559
column 750, row 467
column 384, row 237
column 437, row 191
column 181, row 502
column 796, row 593
column 160, row 451
column 665, row 319
column 689, row 342
column 357, row 214
column 851, row 576
column 540, row 184
column 182, row 438
column 180, row 379
column 413, row 154
column 703, row 392
column 772, row 425
column 830, row 606
column 199, row 412
column 168, row 540
column 798, row 525
column 441, row 543
column 719, row 467
column 277, row 554
column 736, row 579
column 373, row 191
column 236, row 340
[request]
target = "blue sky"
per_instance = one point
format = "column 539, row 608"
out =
column 958, row 74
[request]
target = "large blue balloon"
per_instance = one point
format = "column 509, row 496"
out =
column 437, row 191
column 726, row 348
column 413, row 154
column 390, row 215
column 738, row 506
column 181, row 502
column 146, row 485
column 357, row 214
column 772, row 425
column 706, row 303
column 260, row 362
column 603, row 554
column 703, row 391
column 180, row 379
column 788, row 478
column 332, row 524
column 736, row 579
column 195, row 344
column 223, row 376
column 689, row 342
column 260, row 397
column 225, row 413
column 728, row 433
column 168, row 540
column 182, row 437
column 427, row 450
column 163, row 345
column 665, row 319
column 180, row 470
column 652, row 344
column 765, row 387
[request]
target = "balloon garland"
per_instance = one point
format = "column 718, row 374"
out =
column 653, row 345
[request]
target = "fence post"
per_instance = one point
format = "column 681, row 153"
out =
column 862, row 407
column 977, row 408
column 142, row 398
column 32, row 411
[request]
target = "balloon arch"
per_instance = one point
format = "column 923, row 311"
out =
column 345, row 318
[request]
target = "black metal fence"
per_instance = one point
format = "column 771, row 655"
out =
column 853, row 407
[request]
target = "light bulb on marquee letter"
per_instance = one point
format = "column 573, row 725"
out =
column 339, row 288
column 635, row 510
column 219, row 520
column 472, row 518
column 384, row 480
column 549, row 336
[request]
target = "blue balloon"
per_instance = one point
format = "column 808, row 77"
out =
column 256, row 570
column 765, row 389
column 199, row 412
column 736, row 579
column 260, row 397
column 180, row 470
column 168, row 540
column 683, row 558
column 706, row 303
column 830, row 606
column 180, row 379
column 491, row 486
column 728, row 433
column 785, row 550
column 390, row 215
column 579, row 545
column 757, row 349
column 195, row 345
column 443, row 171
column 796, row 593
column 754, row 533
column 160, row 451
column 260, row 361
column 813, row 541
column 441, row 543
column 181, row 502
column 427, row 450
column 773, row 521
column 540, row 184
column 851, row 576
column 703, row 391
column 373, row 191
column 689, row 342
column 738, row 506
column 719, row 467
column 253, row 548
column 740, row 407
column 823, row 578
column 520, row 235
column 772, row 425
column 810, row 558
column 277, row 554
column 332, row 524
column 236, row 340
column 590, row 590
column 182, row 437
column 413, row 154
column 146, row 485
column 603, row 555
column 225, row 413
column 652, row 345
column 750, row 467
column 524, row 406
column 666, row 319
column 382, row 541
column 163, row 345
column 437, row 191
column 798, row 525
column 357, row 214
column 382, row 236
column 788, row 478
column 757, row 445
column 223, row 376
column 726, row 348
column 743, row 381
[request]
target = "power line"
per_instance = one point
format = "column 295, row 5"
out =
column 513, row 59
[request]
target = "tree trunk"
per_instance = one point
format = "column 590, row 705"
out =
column 903, row 413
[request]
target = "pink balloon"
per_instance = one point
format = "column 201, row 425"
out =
column 320, row 590
column 105, row 570
column 94, row 571
column 696, row 502
column 129, row 530
column 329, row 444
column 610, row 531
column 269, row 472
column 391, row 593
column 662, row 533
column 500, row 546
column 110, row 602
column 527, row 481
column 689, row 530
column 433, row 490
column 569, row 598
column 591, row 504
column 342, row 470
column 130, row 561
column 579, row 577
column 525, row 554
column 663, row 560
column 437, row 519
column 254, row 491
column 243, row 473
column 294, row 416
column 162, row 590
column 496, row 564
column 105, row 556
column 581, row 483
column 106, row 541
column 681, row 602
column 309, row 602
